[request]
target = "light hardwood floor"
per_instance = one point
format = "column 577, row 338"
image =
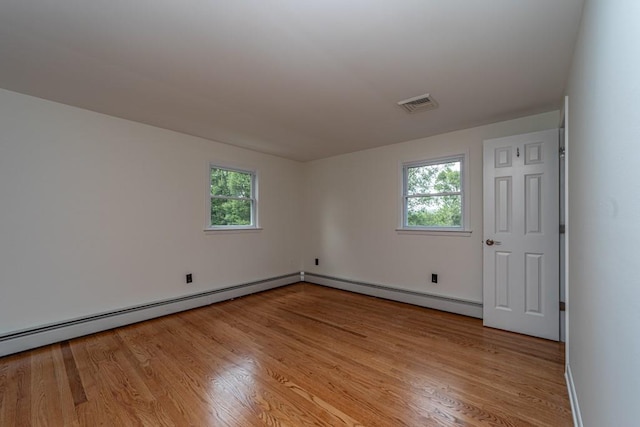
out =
column 294, row 356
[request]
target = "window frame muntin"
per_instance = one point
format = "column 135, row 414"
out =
column 253, row 173
column 460, row 157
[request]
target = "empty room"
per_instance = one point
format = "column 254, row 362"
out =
column 327, row 213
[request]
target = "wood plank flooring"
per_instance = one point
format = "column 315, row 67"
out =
column 302, row 355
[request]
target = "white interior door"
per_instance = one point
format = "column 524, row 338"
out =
column 521, row 234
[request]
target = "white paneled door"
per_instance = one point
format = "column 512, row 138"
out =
column 521, row 234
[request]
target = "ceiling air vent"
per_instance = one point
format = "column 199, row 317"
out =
column 419, row 103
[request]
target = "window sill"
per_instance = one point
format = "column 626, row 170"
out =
column 421, row 232
column 232, row 230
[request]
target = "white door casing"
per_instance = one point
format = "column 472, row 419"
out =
column 521, row 234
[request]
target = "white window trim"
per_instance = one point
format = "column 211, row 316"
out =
column 463, row 230
column 254, row 226
column 232, row 230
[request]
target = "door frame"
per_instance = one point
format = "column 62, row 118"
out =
column 564, row 202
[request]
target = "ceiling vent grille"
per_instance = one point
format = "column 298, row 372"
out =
column 419, row 103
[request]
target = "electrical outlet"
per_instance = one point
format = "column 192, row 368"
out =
column 434, row 278
column 189, row 278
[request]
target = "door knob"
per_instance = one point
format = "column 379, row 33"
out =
column 490, row 242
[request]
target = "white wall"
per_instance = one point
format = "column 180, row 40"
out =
column 604, row 214
column 352, row 210
column 99, row 213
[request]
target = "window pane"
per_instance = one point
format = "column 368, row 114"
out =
column 230, row 183
column 434, row 211
column 230, row 212
column 440, row 178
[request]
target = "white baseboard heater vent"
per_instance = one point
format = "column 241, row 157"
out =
column 438, row 302
column 26, row 339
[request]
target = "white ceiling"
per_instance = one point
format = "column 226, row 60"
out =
column 300, row 79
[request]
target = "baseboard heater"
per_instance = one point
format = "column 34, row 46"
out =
column 26, row 339
column 438, row 302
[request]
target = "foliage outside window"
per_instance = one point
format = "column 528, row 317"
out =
column 233, row 201
column 433, row 195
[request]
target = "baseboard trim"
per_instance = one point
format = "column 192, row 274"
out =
column 27, row 339
column 573, row 398
column 438, row 302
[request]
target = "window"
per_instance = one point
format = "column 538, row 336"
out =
column 233, row 198
column 433, row 195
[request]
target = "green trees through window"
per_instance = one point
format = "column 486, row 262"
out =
column 433, row 194
column 232, row 197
